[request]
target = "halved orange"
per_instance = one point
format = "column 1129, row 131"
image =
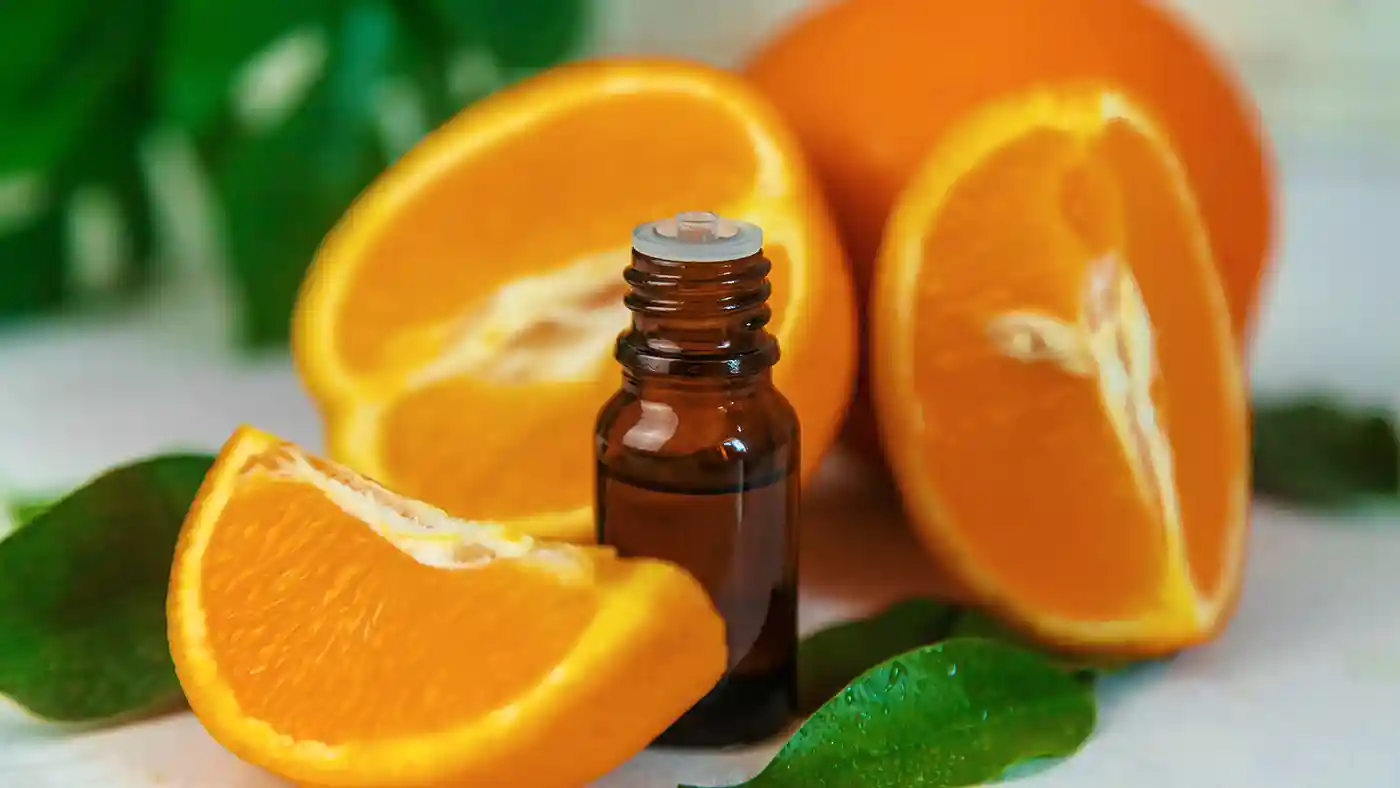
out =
column 1055, row 376
column 338, row 634
column 457, row 326
column 869, row 85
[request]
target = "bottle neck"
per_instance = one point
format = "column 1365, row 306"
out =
column 651, row 385
column 698, row 320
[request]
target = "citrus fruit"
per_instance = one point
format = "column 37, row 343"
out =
column 457, row 326
column 1057, row 385
column 338, row 634
column 870, row 85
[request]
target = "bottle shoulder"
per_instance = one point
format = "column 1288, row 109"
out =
column 670, row 423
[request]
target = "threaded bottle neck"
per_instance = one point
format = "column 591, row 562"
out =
column 698, row 319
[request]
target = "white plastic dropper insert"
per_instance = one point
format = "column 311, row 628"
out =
column 697, row 237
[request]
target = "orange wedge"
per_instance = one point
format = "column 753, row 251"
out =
column 1055, row 376
column 340, row 635
column 457, row 326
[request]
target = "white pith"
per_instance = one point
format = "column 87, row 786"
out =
column 582, row 302
column 1113, row 342
column 425, row 533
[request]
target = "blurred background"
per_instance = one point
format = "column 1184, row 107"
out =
column 167, row 168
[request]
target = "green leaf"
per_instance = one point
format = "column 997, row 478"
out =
column 135, row 200
column 58, row 74
column 82, row 595
column 285, row 188
column 1317, row 451
column 829, row 659
column 522, row 35
column 111, row 161
column 462, row 21
column 428, row 37
column 71, row 80
column 209, row 43
column 55, row 67
column 26, row 508
column 532, row 34
column 975, row 623
column 957, row 713
column 33, row 43
column 38, row 244
column 33, row 279
column 82, row 84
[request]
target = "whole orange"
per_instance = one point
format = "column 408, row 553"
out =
column 868, row 85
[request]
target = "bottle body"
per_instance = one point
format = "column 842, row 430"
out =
column 697, row 460
column 718, row 497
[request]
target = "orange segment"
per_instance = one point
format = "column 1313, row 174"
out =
column 1055, row 376
column 540, row 465
column 340, row 635
column 457, row 326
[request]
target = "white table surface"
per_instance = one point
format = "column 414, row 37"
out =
column 1302, row 690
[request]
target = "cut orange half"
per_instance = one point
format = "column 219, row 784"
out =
column 457, row 326
column 1055, row 378
column 338, row 634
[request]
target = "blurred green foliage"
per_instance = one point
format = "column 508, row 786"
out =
column 1321, row 452
column 84, row 86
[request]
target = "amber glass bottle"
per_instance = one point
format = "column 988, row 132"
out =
column 697, row 459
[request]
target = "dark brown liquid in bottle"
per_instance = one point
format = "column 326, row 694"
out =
column 698, row 465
